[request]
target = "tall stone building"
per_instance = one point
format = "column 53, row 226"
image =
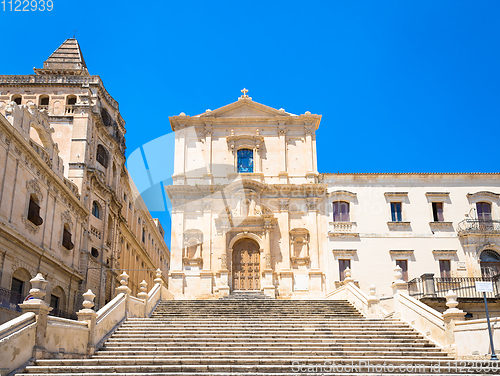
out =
column 68, row 207
column 252, row 212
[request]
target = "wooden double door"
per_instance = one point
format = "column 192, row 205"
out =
column 246, row 265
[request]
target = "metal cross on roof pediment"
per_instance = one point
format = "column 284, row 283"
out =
column 244, row 91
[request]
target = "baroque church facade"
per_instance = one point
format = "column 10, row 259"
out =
column 250, row 211
column 68, row 207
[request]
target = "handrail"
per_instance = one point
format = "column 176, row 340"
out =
column 419, row 316
column 62, row 320
column 17, row 324
column 104, row 311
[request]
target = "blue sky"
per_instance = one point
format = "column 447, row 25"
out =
column 402, row 86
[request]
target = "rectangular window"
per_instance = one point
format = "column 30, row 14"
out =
column 67, row 240
column 343, row 265
column 245, row 160
column 403, row 264
column 437, row 211
column 483, row 211
column 17, row 286
column 445, row 268
column 341, row 211
column 34, row 213
column 54, row 301
column 396, row 213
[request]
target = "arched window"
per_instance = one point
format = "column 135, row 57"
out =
column 245, row 160
column 483, row 211
column 34, row 211
column 490, row 263
column 66, row 241
column 341, row 211
column 102, row 156
column 43, row 100
column 94, row 252
column 20, row 285
column 17, row 99
column 71, row 100
column 96, row 209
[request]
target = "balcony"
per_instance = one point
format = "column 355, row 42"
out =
column 340, row 229
column 465, row 287
column 478, row 226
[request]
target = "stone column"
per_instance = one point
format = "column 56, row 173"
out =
column 309, row 148
column 208, row 153
column 283, row 173
column 41, row 309
column 176, row 275
column 267, row 280
column 257, row 160
column 180, row 147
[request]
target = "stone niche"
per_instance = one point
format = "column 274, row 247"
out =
column 192, row 250
column 299, row 255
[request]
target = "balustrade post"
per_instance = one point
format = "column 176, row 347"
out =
column 90, row 316
column 41, row 309
column 373, row 303
column 348, row 276
column 143, row 295
column 450, row 317
column 123, row 288
column 398, row 286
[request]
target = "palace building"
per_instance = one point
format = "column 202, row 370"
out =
column 252, row 212
column 68, row 208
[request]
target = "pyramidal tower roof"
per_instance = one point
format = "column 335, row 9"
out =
column 66, row 60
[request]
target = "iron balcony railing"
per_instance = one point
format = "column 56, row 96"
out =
column 427, row 286
column 478, row 226
column 10, row 299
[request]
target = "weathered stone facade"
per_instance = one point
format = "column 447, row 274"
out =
column 246, row 183
column 62, row 144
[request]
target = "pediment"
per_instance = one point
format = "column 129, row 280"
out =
column 245, row 108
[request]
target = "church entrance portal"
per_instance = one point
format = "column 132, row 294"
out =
column 246, row 265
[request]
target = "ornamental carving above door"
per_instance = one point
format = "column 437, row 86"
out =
column 246, row 265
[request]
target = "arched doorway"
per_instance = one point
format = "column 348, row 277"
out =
column 490, row 263
column 246, row 265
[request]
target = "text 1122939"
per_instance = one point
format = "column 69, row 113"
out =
column 27, row 5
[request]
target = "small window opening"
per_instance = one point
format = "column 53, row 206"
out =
column 396, row 214
column 437, row 211
column 34, row 211
column 67, row 238
column 403, row 264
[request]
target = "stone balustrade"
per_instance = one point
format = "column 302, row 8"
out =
column 34, row 334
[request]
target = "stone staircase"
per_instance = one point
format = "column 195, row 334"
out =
column 253, row 337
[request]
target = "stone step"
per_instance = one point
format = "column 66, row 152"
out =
column 242, row 352
column 423, row 367
column 261, row 324
column 271, row 344
column 290, row 331
column 249, row 334
column 428, row 371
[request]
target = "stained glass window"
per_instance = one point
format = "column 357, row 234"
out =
column 245, row 160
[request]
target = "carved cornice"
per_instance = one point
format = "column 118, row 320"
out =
column 66, row 218
column 485, row 195
column 33, row 187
